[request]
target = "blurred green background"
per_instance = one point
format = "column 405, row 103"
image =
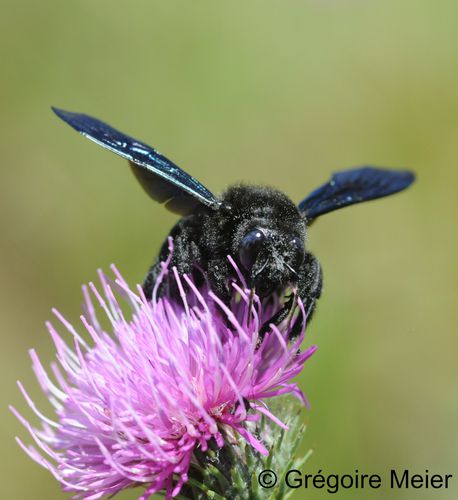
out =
column 274, row 92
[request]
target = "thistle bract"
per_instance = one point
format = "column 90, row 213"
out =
column 132, row 406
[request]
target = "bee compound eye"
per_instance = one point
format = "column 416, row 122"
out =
column 298, row 251
column 249, row 248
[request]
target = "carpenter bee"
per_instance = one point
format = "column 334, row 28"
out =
column 260, row 227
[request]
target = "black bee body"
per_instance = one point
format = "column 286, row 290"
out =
column 204, row 239
column 261, row 228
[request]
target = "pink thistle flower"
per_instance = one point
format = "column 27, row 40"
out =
column 132, row 407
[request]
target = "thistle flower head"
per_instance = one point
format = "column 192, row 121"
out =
column 132, row 406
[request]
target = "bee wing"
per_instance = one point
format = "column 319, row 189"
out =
column 354, row 186
column 164, row 181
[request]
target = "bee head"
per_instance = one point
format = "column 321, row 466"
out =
column 270, row 258
column 267, row 236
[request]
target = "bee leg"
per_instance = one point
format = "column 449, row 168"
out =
column 291, row 312
column 184, row 256
column 277, row 318
column 217, row 276
column 150, row 280
column 251, row 303
column 309, row 288
column 309, row 285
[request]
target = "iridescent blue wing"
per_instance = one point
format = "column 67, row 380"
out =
column 354, row 186
column 164, row 181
